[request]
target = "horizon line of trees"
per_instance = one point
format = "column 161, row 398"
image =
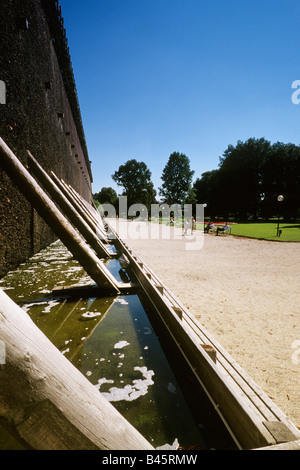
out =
column 247, row 183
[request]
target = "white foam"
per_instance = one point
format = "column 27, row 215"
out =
column 121, row 301
column 50, row 305
column 138, row 388
column 91, row 314
column 121, row 344
column 173, row 446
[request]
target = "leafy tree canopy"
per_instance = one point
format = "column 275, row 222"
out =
column 177, row 179
column 250, row 177
column 106, row 196
column 135, row 177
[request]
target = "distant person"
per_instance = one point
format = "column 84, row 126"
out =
column 225, row 228
column 193, row 227
column 186, row 226
column 208, row 226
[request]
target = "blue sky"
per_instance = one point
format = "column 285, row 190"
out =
column 191, row 76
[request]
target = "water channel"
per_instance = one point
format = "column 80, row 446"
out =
column 114, row 343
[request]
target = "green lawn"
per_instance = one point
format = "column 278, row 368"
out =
column 268, row 231
column 263, row 231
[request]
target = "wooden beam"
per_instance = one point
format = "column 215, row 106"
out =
column 250, row 416
column 67, row 208
column 66, row 191
column 46, row 401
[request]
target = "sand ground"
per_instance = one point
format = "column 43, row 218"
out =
column 245, row 292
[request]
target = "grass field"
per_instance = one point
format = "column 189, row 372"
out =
column 261, row 230
column 268, row 231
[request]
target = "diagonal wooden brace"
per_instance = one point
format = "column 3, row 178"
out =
column 67, row 208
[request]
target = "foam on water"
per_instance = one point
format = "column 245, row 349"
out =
column 121, row 344
column 131, row 392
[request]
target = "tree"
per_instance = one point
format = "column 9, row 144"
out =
column 280, row 172
column 135, row 177
column 240, row 176
column 106, row 196
column 250, row 177
column 177, row 179
column 207, row 192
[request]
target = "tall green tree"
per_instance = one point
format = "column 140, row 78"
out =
column 135, row 177
column 177, row 179
column 207, row 192
column 280, row 172
column 240, row 176
column 250, row 177
column 106, row 195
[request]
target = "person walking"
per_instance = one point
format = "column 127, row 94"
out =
column 186, row 226
column 193, row 227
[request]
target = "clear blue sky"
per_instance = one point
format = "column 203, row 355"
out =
column 193, row 76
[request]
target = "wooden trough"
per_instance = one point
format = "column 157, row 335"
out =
column 250, row 416
column 54, row 407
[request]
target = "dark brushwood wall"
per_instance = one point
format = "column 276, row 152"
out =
column 41, row 113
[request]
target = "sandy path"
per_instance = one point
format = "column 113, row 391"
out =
column 246, row 293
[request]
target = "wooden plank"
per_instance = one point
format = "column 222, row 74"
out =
column 90, row 212
column 90, row 291
column 292, row 445
column 257, row 400
column 66, row 191
column 49, row 403
column 240, row 402
column 280, row 431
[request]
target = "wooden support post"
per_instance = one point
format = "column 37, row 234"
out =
column 65, row 190
column 90, row 208
column 90, row 214
column 94, row 217
column 67, row 208
column 56, row 220
column 46, row 401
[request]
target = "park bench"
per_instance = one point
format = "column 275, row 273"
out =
column 225, row 230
